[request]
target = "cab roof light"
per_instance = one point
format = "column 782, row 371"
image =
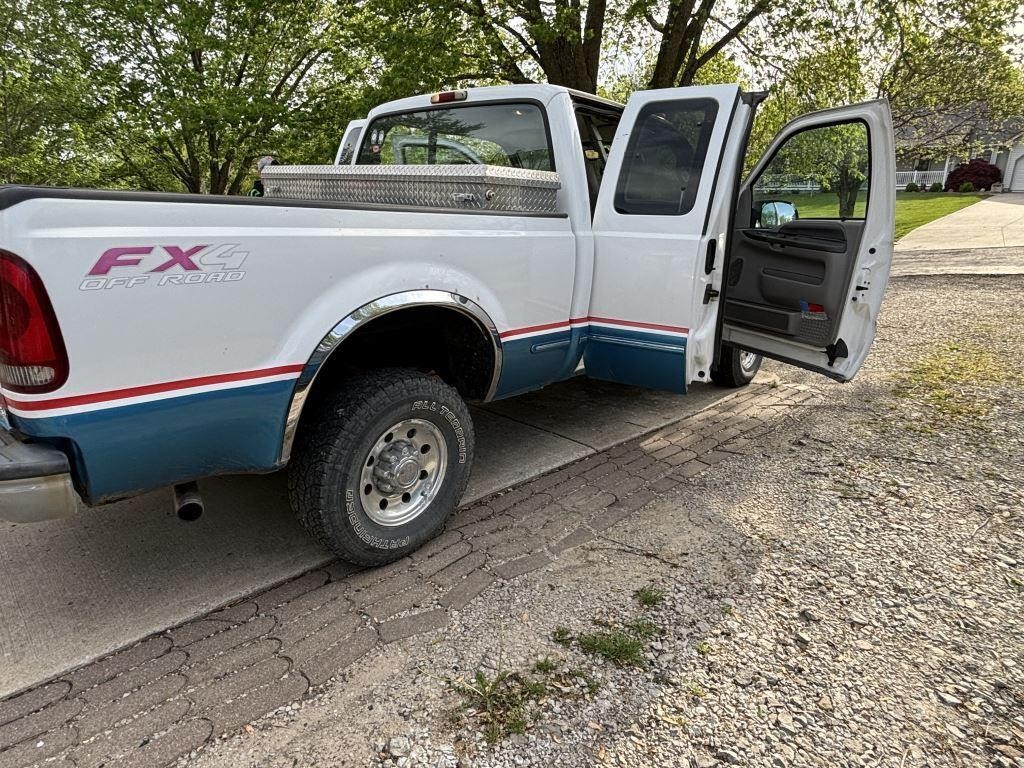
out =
column 445, row 96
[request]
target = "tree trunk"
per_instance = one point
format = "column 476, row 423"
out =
column 846, row 186
column 674, row 47
column 684, row 48
column 572, row 58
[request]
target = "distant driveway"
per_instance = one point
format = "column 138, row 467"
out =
column 996, row 222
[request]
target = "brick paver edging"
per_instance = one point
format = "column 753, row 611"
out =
column 161, row 698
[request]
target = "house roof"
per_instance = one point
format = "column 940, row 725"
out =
column 969, row 125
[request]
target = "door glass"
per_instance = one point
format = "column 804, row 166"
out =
column 665, row 157
column 821, row 172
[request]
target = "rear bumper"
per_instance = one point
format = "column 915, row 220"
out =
column 35, row 481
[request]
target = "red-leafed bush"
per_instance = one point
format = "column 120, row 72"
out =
column 978, row 172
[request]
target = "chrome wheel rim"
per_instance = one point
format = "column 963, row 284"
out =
column 749, row 361
column 403, row 472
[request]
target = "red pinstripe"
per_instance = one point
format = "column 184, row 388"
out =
column 150, row 389
column 594, row 319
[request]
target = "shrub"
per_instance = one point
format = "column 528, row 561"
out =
column 979, row 173
column 966, row 187
column 935, row 187
column 912, row 187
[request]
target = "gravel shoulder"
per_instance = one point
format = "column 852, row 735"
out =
column 844, row 587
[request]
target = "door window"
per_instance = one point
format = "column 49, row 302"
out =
column 665, row 157
column 819, row 173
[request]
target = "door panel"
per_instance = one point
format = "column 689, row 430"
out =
column 780, row 274
column 650, row 239
column 808, row 291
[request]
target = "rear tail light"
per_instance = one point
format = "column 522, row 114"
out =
column 32, row 353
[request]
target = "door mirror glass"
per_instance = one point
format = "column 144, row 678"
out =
column 769, row 214
column 826, row 166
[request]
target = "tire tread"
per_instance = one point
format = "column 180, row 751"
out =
column 341, row 417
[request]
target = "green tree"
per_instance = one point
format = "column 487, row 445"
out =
column 950, row 88
column 198, row 90
column 49, row 121
column 945, row 68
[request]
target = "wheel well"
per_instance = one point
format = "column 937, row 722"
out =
column 434, row 339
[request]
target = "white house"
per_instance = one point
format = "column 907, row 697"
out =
column 1002, row 146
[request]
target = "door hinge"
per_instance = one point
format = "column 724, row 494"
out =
column 835, row 351
column 709, row 293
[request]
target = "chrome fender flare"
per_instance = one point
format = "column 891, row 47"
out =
column 360, row 317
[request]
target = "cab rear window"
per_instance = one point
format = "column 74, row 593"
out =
column 512, row 134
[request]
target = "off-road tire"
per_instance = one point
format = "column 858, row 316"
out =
column 324, row 478
column 731, row 371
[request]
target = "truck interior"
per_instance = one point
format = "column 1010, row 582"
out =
column 788, row 275
column 597, row 123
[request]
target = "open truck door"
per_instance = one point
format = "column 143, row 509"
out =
column 812, row 242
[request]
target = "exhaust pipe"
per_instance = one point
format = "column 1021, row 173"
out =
column 188, row 502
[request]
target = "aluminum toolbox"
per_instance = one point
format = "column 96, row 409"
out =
column 474, row 187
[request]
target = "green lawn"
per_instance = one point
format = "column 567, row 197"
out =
column 912, row 208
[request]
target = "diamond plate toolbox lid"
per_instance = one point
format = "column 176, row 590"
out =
column 470, row 187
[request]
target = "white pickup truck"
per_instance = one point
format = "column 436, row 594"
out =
column 479, row 244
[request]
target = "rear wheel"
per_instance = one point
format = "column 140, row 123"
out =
column 381, row 463
column 736, row 367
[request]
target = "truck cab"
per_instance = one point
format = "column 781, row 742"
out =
column 464, row 246
column 677, row 262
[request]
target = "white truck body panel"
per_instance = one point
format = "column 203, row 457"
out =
column 229, row 336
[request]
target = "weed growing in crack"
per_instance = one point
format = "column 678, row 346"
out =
column 695, row 690
column 951, row 379
column 620, row 644
column 562, row 636
column 499, row 703
column 644, row 629
column 510, row 702
column 545, row 666
column 593, row 686
column 617, row 646
column 649, row 596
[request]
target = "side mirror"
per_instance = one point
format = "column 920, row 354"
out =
column 769, row 214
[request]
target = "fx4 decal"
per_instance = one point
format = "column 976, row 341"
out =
column 128, row 267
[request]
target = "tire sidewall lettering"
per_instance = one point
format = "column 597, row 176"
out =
column 453, row 421
column 360, row 524
column 356, row 521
